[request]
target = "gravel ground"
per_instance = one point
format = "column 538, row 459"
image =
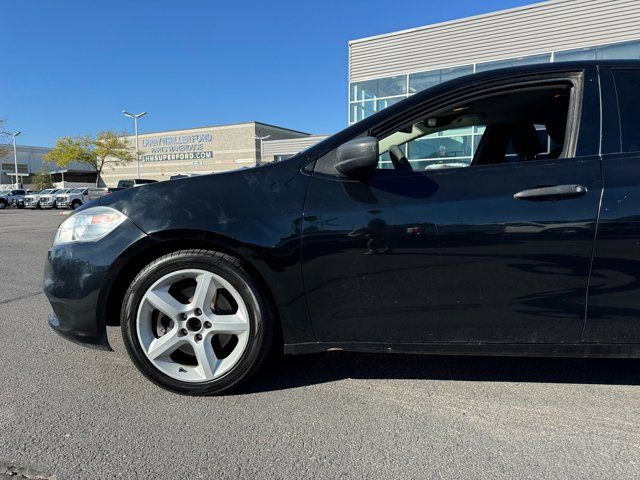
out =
column 72, row 413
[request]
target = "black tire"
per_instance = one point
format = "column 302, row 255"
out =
column 230, row 268
column 75, row 204
column 3, row 204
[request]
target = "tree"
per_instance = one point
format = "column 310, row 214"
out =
column 41, row 181
column 107, row 146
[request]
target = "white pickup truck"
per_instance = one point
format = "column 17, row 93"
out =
column 78, row 196
column 49, row 200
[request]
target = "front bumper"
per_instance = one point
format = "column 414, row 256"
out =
column 62, row 204
column 48, row 204
column 75, row 335
column 77, row 280
column 31, row 203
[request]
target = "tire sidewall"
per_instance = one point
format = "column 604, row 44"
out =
column 259, row 320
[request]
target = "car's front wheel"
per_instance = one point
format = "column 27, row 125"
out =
column 195, row 322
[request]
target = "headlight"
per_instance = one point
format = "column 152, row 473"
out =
column 88, row 225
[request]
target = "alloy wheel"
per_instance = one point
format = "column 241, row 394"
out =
column 193, row 325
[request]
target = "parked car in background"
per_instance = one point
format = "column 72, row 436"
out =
column 32, row 200
column 12, row 197
column 49, row 200
column 134, row 182
column 78, row 196
column 177, row 176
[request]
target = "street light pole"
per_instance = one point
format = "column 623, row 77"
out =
column 260, row 139
column 15, row 154
column 135, row 128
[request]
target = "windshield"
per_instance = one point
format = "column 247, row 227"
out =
column 44, row 192
column 77, row 190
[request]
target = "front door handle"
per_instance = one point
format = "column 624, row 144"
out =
column 557, row 192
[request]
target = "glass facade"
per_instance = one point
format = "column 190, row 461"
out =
column 371, row 96
column 513, row 62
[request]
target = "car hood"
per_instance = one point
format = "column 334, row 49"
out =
column 237, row 203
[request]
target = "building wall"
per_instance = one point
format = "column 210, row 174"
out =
column 29, row 161
column 197, row 150
column 387, row 68
column 281, row 149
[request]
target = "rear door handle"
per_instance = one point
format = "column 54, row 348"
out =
column 557, row 192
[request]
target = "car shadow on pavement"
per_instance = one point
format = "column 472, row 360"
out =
column 304, row 370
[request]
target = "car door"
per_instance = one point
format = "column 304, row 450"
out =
column 452, row 255
column 614, row 290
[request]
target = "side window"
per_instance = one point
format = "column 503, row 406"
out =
column 628, row 90
column 518, row 125
column 450, row 148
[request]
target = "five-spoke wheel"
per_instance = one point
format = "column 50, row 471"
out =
column 194, row 322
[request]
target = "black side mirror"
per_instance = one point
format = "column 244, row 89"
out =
column 358, row 156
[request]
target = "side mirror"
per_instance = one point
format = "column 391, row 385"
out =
column 358, row 156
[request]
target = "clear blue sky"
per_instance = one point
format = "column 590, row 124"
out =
column 70, row 67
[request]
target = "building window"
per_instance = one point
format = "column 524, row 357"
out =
column 574, row 55
column 361, row 110
column 381, row 87
column 626, row 50
column 423, row 80
column 513, row 62
column 10, row 168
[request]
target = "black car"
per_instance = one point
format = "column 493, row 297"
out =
column 494, row 214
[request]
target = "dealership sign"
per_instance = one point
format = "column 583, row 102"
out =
column 186, row 146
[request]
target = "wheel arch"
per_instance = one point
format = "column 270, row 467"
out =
column 143, row 252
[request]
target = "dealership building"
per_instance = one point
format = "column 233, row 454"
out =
column 199, row 150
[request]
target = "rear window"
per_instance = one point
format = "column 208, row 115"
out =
column 628, row 89
column 125, row 184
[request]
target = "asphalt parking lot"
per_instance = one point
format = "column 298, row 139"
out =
column 71, row 413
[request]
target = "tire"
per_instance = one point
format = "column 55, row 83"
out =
column 143, row 325
column 75, row 204
column 3, row 204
